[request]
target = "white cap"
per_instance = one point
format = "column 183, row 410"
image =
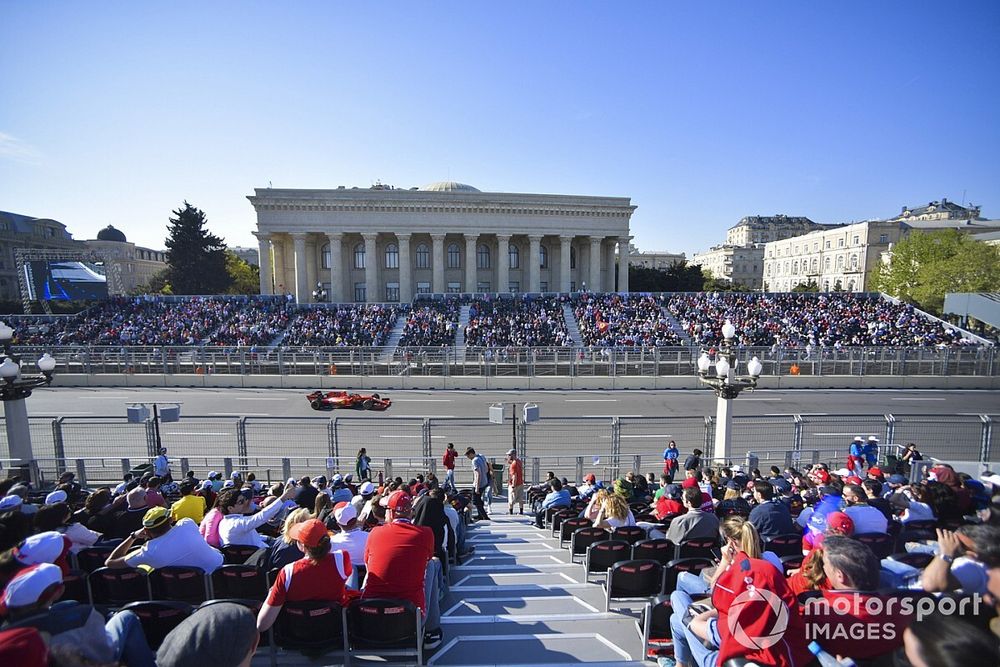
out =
column 872, row 438
column 207, row 484
column 213, row 474
column 989, row 478
column 57, row 496
column 40, row 548
column 366, row 489
column 27, row 587
column 843, row 472
column 228, row 484
column 10, row 502
column 858, row 438
column 345, row 513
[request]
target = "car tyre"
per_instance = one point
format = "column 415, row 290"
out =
column 367, row 405
column 316, row 404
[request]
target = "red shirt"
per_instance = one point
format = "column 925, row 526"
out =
column 449, row 458
column 306, row 579
column 396, row 555
column 516, row 472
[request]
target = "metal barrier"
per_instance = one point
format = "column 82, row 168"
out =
column 511, row 362
column 402, row 446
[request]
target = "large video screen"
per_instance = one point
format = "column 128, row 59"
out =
column 65, row 281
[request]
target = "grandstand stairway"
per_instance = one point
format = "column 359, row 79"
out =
column 676, row 326
column 389, row 349
column 571, row 325
column 463, row 321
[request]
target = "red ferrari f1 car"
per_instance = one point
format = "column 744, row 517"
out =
column 331, row 400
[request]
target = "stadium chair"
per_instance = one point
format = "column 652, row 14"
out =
column 75, row 587
column 120, row 586
column 917, row 559
column 583, row 538
column 559, row 517
column 313, row 627
column 791, row 562
column 673, row 569
column 158, row 618
column 631, row 534
column 784, row 545
column 880, row 543
column 239, row 581
column 646, row 517
column 237, row 554
column 638, row 507
column 386, row 627
column 570, row 525
column 654, row 626
column 604, row 554
column 659, row 549
column 92, row 558
column 699, row 548
column 578, row 505
column 908, row 534
column 180, row 584
column 253, row 605
column 550, row 513
column 632, row 580
column 930, row 525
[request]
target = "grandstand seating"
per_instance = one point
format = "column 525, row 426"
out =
column 431, row 324
column 614, row 320
column 517, row 322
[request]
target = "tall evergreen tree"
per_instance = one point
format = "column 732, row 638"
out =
column 196, row 258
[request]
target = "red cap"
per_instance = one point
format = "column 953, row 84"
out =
column 399, row 501
column 309, row 533
column 689, row 483
column 840, row 523
column 875, row 471
column 589, row 477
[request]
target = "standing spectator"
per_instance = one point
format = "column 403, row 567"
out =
column 161, row 465
column 770, row 517
column 321, row 575
column 189, row 506
column 911, row 454
column 401, row 564
column 856, row 454
column 695, row 523
column 166, row 545
column 557, row 497
column 515, row 482
column 235, row 528
column 363, row 466
column 448, row 461
column 670, row 456
column 480, row 482
column 871, row 451
column 693, row 462
column 305, row 494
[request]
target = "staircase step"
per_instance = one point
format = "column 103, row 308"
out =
column 572, row 327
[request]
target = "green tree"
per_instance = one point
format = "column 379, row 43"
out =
column 196, row 258
column 713, row 284
column 244, row 277
column 158, row 284
column 678, row 277
column 926, row 265
column 810, row 286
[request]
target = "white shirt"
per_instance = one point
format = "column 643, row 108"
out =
column 917, row 512
column 242, row 530
column 182, row 545
column 81, row 536
column 352, row 542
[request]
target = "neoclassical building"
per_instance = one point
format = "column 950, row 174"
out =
column 385, row 244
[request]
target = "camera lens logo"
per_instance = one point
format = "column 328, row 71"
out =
column 750, row 601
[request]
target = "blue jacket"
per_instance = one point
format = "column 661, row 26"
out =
column 556, row 499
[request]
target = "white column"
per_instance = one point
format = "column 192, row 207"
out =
column 336, row 268
column 608, row 261
column 312, row 267
column 723, row 429
column 280, row 280
column 371, row 269
column 623, row 260
column 405, row 273
column 437, row 263
column 565, row 279
column 595, row 264
column 470, row 262
column 503, row 263
column 534, row 262
column 264, row 258
column 15, row 412
column 301, row 281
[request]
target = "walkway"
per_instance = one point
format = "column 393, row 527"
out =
column 676, row 326
column 571, row 324
column 463, row 321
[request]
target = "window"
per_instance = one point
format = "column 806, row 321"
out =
column 840, row 262
column 515, row 257
column 854, row 261
column 483, row 286
column 392, row 261
column 840, row 243
column 423, row 257
column 857, row 240
column 325, row 256
column 514, row 286
column 454, row 288
column 572, row 258
column 572, row 286
column 359, row 292
column 454, row 256
column 795, row 268
column 359, row 260
column 827, row 245
column 392, row 291
column 826, row 264
column 423, row 288
column 883, row 238
column 814, row 265
column 543, row 286
column 543, row 253
column 815, row 247
column 482, row 257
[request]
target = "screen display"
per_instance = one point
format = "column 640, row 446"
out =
column 65, row 281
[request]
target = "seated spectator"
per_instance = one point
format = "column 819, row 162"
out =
column 770, row 517
column 166, row 545
column 811, row 575
column 910, row 502
column 153, row 496
column 209, row 526
column 57, row 518
column 400, row 560
column 24, row 647
column 695, row 523
column 97, row 512
column 122, row 487
column 614, row 513
column 321, row 575
column 669, row 503
column 365, row 493
column 305, row 494
column 733, row 502
column 76, row 633
column 589, row 486
column 558, row 497
column 46, row 547
column 873, row 489
column 219, row 634
column 129, row 520
column 937, row 640
column 237, row 529
column 866, row 518
column 189, row 506
column 351, row 538
column 957, row 566
column 284, row 550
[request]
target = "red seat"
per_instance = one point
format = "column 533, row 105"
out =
column 673, row 569
column 388, row 627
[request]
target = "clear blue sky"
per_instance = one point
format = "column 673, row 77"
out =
column 116, row 112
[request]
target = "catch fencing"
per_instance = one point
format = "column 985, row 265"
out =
column 101, row 448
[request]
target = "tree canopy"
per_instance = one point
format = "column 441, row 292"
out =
column 196, row 258
column 679, row 277
column 926, row 265
column 244, row 277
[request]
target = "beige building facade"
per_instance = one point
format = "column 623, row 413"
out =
column 755, row 229
column 743, row 266
column 136, row 265
column 841, row 258
column 383, row 244
column 655, row 259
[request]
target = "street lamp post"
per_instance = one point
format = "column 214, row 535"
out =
column 727, row 385
column 14, row 389
column 319, row 294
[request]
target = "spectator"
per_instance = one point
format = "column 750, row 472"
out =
column 957, row 565
column 189, row 506
column 161, row 465
column 515, row 482
column 219, row 634
column 693, row 462
column 910, row 502
column 363, row 466
column 321, row 575
column 770, row 517
column 365, row 493
column 57, row 518
column 237, row 529
column 97, row 512
column 429, row 512
column 448, row 461
column 911, row 454
column 400, row 560
column 123, row 485
column 129, row 520
column 350, row 538
column 670, row 456
column 669, row 503
column 558, row 497
column 284, row 550
column 694, row 523
column 937, row 640
column 166, row 545
column 614, row 513
column 24, row 647
column 305, row 494
column 480, row 482
column 866, row 518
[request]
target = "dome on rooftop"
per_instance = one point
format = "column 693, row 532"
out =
column 449, row 186
column 109, row 233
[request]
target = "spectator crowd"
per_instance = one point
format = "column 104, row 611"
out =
column 616, row 320
column 517, row 322
column 342, row 326
column 431, row 324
